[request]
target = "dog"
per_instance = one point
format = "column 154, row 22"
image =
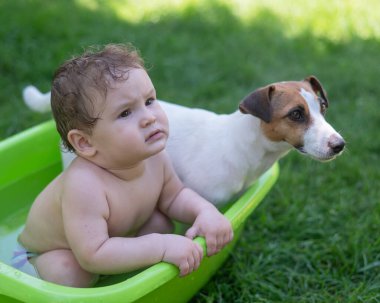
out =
column 219, row 156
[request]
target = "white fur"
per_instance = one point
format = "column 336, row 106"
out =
column 35, row 100
column 320, row 133
column 218, row 155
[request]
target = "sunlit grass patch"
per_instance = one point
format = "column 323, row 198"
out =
column 337, row 20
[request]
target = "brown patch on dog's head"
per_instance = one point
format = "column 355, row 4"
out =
column 284, row 112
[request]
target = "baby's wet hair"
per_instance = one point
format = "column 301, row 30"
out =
column 78, row 81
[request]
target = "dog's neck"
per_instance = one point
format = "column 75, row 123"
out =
column 253, row 133
column 261, row 153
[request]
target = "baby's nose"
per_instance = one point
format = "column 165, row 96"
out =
column 148, row 119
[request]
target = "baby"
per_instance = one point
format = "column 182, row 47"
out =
column 110, row 211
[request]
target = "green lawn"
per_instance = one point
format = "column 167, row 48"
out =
column 314, row 238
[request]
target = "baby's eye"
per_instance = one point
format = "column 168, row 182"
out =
column 149, row 101
column 125, row 113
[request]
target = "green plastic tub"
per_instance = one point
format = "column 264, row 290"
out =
column 28, row 161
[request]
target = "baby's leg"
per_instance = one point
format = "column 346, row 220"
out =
column 157, row 223
column 60, row 267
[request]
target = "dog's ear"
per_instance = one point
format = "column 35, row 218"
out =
column 258, row 103
column 317, row 88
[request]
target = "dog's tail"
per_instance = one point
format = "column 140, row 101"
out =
column 36, row 100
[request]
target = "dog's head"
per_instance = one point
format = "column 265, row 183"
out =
column 295, row 112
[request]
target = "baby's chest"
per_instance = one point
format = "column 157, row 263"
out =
column 130, row 206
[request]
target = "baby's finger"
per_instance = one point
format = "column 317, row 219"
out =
column 200, row 251
column 191, row 232
column 220, row 243
column 198, row 255
column 191, row 261
column 227, row 238
column 230, row 236
column 184, row 269
column 197, row 261
column 211, row 246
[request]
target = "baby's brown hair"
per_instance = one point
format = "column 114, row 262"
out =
column 78, row 81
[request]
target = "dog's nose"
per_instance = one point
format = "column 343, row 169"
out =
column 337, row 145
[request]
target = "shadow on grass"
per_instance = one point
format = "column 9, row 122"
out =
column 199, row 55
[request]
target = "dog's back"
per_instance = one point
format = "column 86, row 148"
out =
column 211, row 153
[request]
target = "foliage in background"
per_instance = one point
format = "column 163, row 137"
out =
column 314, row 239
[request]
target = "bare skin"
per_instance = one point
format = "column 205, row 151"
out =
column 109, row 212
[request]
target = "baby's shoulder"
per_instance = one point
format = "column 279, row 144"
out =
column 82, row 173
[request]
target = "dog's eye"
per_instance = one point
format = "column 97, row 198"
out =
column 297, row 115
column 323, row 108
column 323, row 104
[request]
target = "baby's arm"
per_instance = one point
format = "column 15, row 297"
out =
column 85, row 214
column 185, row 205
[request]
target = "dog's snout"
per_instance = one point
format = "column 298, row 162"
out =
column 337, row 145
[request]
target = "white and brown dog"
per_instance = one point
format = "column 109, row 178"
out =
column 219, row 156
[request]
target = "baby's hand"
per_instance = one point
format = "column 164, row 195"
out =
column 217, row 230
column 183, row 252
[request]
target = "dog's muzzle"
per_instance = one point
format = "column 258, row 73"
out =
column 337, row 146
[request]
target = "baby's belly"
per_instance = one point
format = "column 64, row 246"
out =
column 128, row 224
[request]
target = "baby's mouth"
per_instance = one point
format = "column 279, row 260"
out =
column 155, row 135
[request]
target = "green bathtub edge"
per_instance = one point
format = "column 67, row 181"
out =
column 158, row 282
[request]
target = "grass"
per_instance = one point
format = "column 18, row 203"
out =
column 314, row 239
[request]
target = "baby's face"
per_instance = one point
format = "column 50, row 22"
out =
column 132, row 125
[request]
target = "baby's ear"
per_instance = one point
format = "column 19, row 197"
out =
column 81, row 143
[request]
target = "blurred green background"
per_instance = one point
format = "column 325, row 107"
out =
column 314, row 238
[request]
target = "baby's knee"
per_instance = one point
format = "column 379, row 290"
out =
column 163, row 223
column 72, row 274
column 61, row 267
